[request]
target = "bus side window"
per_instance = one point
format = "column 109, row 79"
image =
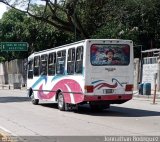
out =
column 60, row 64
column 51, row 64
column 43, row 64
column 79, row 60
column 30, row 69
column 71, row 61
column 36, row 66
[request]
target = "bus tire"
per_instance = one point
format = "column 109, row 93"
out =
column 61, row 102
column 33, row 100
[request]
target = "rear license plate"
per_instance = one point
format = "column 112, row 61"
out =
column 107, row 91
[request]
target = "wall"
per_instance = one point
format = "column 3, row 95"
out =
column 148, row 74
column 1, row 74
column 136, row 73
column 13, row 72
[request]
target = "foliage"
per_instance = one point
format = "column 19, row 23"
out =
column 56, row 22
column 2, row 59
column 18, row 27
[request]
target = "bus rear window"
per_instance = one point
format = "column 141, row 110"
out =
column 110, row 54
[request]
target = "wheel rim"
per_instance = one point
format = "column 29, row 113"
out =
column 60, row 101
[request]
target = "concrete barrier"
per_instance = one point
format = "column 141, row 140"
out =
column 17, row 85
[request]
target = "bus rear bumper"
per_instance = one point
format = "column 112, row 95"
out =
column 117, row 99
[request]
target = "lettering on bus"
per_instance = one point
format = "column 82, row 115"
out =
column 110, row 69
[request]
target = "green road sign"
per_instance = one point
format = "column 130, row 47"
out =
column 14, row 46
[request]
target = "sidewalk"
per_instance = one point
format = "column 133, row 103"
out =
column 136, row 95
column 11, row 87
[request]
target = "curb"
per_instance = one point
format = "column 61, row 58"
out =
column 146, row 98
column 151, row 96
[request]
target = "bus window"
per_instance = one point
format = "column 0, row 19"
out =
column 30, row 69
column 144, row 61
column 110, row 54
column 150, row 61
column 43, row 67
column 154, row 60
column 60, row 65
column 51, row 64
column 71, row 61
column 36, row 66
column 79, row 60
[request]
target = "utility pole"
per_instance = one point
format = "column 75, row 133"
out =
column 141, row 62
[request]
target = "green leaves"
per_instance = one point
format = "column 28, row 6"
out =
column 16, row 26
column 58, row 23
column 2, row 59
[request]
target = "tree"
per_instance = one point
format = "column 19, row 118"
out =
column 138, row 20
column 16, row 26
column 12, row 30
column 2, row 59
column 50, row 14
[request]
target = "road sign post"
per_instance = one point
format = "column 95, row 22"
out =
column 14, row 46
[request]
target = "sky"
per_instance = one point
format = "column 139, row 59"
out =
column 2, row 9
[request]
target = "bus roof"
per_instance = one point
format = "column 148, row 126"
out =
column 60, row 46
column 82, row 41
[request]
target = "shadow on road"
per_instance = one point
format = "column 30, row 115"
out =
column 50, row 105
column 11, row 99
column 114, row 111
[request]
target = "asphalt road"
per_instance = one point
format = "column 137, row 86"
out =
column 19, row 117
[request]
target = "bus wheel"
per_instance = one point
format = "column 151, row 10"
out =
column 61, row 102
column 34, row 101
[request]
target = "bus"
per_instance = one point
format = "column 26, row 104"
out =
column 98, row 72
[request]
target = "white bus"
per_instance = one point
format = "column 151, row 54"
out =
column 94, row 71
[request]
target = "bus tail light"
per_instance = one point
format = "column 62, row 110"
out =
column 89, row 88
column 129, row 87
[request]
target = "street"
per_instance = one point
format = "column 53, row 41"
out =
column 20, row 118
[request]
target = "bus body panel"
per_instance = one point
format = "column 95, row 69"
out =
column 45, row 88
column 107, row 83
